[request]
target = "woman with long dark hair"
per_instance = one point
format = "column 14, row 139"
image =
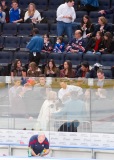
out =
column 47, row 47
column 108, row 43
column 51, row 70
column 86, row 26
column 17, row 69
column 67, row 71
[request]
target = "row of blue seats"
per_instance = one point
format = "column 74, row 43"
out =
column 52, row 4
column 25, row 29
column 6, row 57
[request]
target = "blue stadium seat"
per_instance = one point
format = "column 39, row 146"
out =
column 11, row 43
column 43, row 60
column 104, row 4
column 23, row 56
column 9, row 29
column 53, row 29
column 107, row 73
column 74, row 58
column 1, row 42
column 92, row 59
column 112, row 3
column 41, row 5
column 57, row 57
column 23, row 43
column 24, row 4
column 53, row 4
column 25, row 29
column 43, row 28
column 94, row 16
column 50, row 16
column 107, row 60
column 79, row 15
column 5, row 58
column 75, row 26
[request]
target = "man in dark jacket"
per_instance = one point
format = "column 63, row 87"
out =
column 85, row 72
column 109, row 11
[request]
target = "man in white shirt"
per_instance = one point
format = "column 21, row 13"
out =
column 65, row 16
column 65, row 92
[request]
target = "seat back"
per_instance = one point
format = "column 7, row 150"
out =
column 24, row 41
column 24, row 4
column 57, row 57
column 53, row 5
column 43, row 59
column 74, row 58
column 23, row 56
column 107, row 73
column 104, row 4
column 107, row 60
column 12, row 42
column 50, row 15
column 53, row 29
column 25, row 29
column 43, row 28
column 9, row 29
column 41, row 5
column 6, row 58
column 92, row 59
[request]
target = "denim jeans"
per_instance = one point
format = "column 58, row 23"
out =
column 90, row 52
column 64, row 28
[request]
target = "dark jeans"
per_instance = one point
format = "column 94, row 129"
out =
column 35, row 58
column 64, row 28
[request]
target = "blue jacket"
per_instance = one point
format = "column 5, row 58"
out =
column 35, row 44
column 93, row 3
column 59, row 48
column 14, row 14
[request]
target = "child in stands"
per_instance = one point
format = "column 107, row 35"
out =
column 59, row 45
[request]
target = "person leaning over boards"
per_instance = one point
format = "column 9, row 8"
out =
column 65, row 16
column 35, row 46
column 39, row 145
column 32, row 15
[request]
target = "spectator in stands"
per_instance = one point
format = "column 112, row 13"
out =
column 85, row 72
column 108, row 44
column 15, row 13
column 2, row 16
column 51, row 70
column 89, row 5
column 67, row 71
column 87, row 27
column 59, row 45
column 39, row 145
column 17, row 70
column 5, row 9
column 64, row 93
column 77, row 44
column 35, row 47
column 101, row 78
column 47, row 47
column 65, row 16
column 33, row 70
column 102, row 26
column 32, row 15
column 95, row 44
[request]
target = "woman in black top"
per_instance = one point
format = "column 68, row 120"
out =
column 17, row 70
column 108, row 44
column 102, row 26
column 86, row 26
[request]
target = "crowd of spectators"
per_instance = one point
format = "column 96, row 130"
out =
column 88, row 39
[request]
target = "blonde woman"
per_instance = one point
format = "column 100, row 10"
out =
column 32, row 15
column 102, row 26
